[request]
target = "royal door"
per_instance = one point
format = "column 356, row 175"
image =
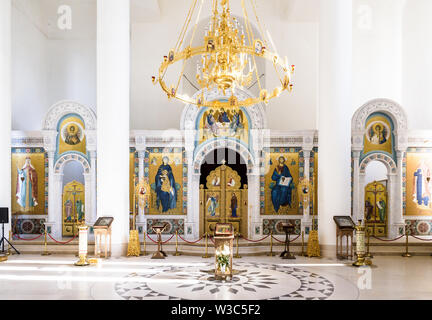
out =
column 376, row 208
column 223, row 199
column 73, row 208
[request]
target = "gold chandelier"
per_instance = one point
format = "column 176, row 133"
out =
column 228, row 59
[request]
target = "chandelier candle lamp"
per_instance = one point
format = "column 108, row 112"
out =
column 226, row 58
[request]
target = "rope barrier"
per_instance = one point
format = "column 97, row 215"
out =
column 284, row 241
column 163, row 242
column 190, row 242
column 62, row 243
column 211, row 239
column 420, row 238
column 250, row 240
column 15, row 235
column 295, row 238
column 389, row 240
column 151, row 239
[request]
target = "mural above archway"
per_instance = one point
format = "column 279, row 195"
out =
column 71, row 135
column 379, row 136
column 231, row 124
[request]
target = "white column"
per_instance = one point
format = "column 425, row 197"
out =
column 93, row 184
column 141, row 157
column 307, row 219
column 254, row 218
column 5, row 107
column 88, row 197
column 392, row 213
column 193, row 214
column 361, row 202
column 334, row 167
column 306, row 172
column 57, row 230
column 397, row 214
column 51, row 193
column 113, row 89
column 357, row 214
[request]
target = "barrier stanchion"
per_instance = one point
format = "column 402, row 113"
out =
column 206, row 247
column 144, row 253
column 46, row 252
column 368, row 254
column 406, row 254
column 177, row 253
column 271, row 253
column 237, row 255
column 303, row 253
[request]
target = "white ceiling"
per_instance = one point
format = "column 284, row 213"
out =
column 43, row 13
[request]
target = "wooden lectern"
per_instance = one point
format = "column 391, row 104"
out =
column 223, row 238
column 289, row 229
column 102, row 228
column 344, row 228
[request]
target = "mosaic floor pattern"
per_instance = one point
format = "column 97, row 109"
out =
column 259, row 281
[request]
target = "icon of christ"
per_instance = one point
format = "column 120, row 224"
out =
column 281, row 193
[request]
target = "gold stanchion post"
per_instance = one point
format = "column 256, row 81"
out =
column 46, row 252
column 237, row 255
column 271, row 253
column 406, row 254
column 144, row 253
column 206, row 246
column 302, row 252
column 368, row 254
column 177, row 253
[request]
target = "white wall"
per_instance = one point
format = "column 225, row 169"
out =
column 375, row 171
column 417, row 63
column 73, row 170
column 71, row 71
column 48, row 64
column 392, row 47
column 293, row 27
column 29, row 76
column 377, row 56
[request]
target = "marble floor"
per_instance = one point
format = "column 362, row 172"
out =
column 184, row 277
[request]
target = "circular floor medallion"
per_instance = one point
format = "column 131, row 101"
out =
column 261, row 281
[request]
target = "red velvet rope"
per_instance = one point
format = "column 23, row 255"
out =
column 63, row 243
column 190, row 242
column 420, row 238
column 163, row 242
column 15, row 235
column 211, row 239
column 295, row 238
column 284, row 241
column 151, row 239
column 388, row 240
column 250, row 240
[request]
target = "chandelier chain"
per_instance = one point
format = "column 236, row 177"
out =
column 227, row 58
column 249, row 27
